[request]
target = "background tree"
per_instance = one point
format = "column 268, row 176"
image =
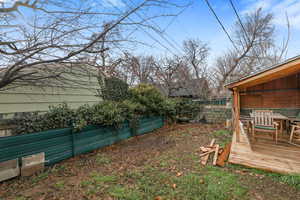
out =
column 166, row 73
column 195, row 55
column 36, row 33
column 254, row 48
column 141, row 68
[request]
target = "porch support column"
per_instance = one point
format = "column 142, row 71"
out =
column 236, row 107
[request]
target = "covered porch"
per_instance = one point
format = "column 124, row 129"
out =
column 276, row 89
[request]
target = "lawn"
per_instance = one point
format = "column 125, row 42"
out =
column 163, row 165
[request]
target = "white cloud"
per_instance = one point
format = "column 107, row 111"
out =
column 7, row 1
column 279, row 8
column 255, row 4
column 113, row 3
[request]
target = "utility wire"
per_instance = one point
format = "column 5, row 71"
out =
column 239, row 19
column 243, row 28
column 148, row 34
column 158, row 30
column 219, row 21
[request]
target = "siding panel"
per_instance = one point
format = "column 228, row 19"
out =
column 279, row 93
column 28, row 98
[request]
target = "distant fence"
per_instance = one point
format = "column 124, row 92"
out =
column 216, row 101
column 60, row 144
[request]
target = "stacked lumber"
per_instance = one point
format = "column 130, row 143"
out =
column 220, row 155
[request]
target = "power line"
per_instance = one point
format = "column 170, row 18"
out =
column 158, row 30
column 219, row 21
column 239, row 19
column 152, row 37
column 243, row 28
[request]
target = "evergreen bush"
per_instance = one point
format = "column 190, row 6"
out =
column 114, row 89
column 142, row 100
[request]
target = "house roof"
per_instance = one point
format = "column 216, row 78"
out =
column 287, row 67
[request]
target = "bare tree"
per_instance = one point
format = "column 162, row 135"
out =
column 195, row 54
column 254, row 48
column 166, row 73
column 60, row 32
column 141, row 68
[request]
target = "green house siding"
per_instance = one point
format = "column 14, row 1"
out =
column 29, row 98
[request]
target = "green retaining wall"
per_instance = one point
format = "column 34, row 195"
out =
column 218, row 101
column 216, row 114
column 60, row 144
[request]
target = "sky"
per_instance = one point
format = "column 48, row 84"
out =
column 198, row 22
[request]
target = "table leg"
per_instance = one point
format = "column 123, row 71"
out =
column 281, row 127
column 287, row 127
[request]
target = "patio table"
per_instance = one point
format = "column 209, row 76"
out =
column 282, row 118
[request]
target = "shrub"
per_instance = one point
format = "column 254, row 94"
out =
column 144, row 100
column 30, row 122
column 133, row 112
column 132, row 109
column 150, row 97
column 170, row 109
column 114, row 89
column 186, row 109
column 61, row 116
column 85, row 112
column 107, row 113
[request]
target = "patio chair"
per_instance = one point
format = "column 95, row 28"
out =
column 263, row 122
column 295, row 133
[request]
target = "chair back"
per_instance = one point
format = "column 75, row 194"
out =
column 263, row 117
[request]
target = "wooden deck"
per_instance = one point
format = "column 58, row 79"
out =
column 265, row 154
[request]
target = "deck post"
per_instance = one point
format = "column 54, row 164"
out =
column 236, row 106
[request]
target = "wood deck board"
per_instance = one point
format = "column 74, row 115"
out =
column 282, row 140
column 265, row 156
column 284, row 145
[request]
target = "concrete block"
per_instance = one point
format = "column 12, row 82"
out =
column 9, row 169
column 5, row 132
column 32, row 164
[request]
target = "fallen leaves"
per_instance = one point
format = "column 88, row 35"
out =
column 201, row 181
column 179, row 174
column 158, row 198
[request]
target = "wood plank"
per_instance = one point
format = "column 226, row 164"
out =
column 265, row 163
column 236, row 110
column 224, row 155
column 267, row 140
column 208, row 152
column 204, row 159
column 216, row 154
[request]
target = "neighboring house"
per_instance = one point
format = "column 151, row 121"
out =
column 193, row 89
column 79, row 86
